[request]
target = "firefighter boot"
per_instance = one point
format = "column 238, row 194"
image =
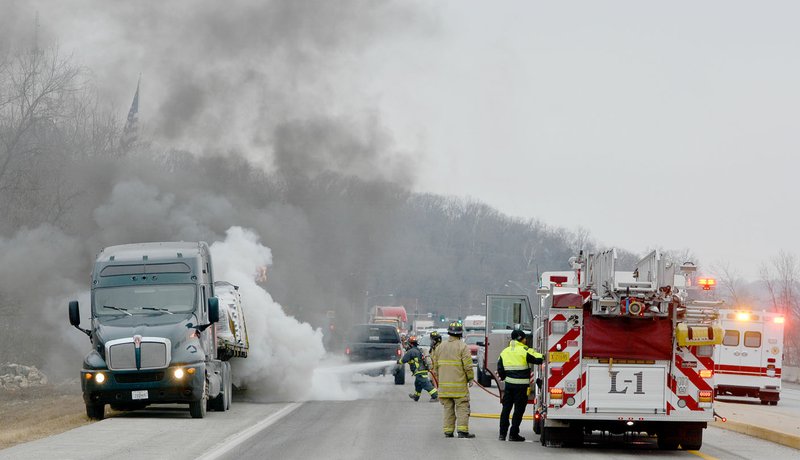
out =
column 516, row 438
column 502, row 436
column 434, row 398
column 413, row 396
column 465, row 434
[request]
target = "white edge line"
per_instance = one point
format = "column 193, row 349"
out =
column 239, row 438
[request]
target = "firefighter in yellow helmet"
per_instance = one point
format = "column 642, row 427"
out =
column 514, row 367
column 452, row 364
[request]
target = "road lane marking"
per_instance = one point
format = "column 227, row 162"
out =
column 239, row 438
column 497, row 416
column 702, row 455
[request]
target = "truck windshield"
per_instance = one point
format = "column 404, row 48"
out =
column 144, row 300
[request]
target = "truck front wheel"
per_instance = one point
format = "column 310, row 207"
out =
column 198, row 408
column 96, row 411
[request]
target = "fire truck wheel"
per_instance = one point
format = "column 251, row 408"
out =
column 773, row 403
column 573, row 437
column 667, row 440
column 692, row 439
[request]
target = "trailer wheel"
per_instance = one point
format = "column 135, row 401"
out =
column 229, row 386
column 96, row 411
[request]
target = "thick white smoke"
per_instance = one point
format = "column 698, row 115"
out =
column 283, row 351
column 287, row 359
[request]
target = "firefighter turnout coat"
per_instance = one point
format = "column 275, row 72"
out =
column 452, row 364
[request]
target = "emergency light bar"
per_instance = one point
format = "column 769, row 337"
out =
column 707, row 283
column 742, row 316
column 779, row 320
column 558, row 280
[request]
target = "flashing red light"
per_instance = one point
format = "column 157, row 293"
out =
column 537, row 416
column 707, row 283
column 724, row 419
column 558, row 280
column 347, row 351
column 399, row 352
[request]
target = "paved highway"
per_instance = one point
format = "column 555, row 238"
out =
column 387, row 425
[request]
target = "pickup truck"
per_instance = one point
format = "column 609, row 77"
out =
column 376, row 342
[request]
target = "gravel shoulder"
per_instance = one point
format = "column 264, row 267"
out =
column 37, row 412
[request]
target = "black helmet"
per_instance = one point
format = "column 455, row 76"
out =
column 435, row 336
column 455, row 328
column 517, row 334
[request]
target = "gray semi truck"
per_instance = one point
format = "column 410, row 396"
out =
column 153, row 332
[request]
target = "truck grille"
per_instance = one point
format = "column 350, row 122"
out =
column 154, row 353
column 139, row 377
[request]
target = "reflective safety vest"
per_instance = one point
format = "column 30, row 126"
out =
column 516, row 361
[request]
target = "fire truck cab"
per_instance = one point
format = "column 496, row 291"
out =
column 748, row 363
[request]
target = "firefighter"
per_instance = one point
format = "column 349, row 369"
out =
column 419, row 369
column 452, row 364
column 436, row 339
column 514, row 367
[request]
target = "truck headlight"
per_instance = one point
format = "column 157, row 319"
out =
column 178, row 373
column 100, row 377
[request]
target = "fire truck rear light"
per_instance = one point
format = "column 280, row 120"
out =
column 537, row 416
column 707, row 283
column 770, row 360
column 706, row 373
column 556, row 393
column 779, row 320
column 742, row 316
column 705, row 396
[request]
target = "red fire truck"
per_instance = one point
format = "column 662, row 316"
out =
column 624, row 353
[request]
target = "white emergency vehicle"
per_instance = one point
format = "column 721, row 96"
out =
column 748, row 363
column 624, row 353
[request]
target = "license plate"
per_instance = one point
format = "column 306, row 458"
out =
column 140, row 394
column 559, row 356
column 374, row 338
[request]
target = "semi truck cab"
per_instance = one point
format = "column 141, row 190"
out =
column 152, row 331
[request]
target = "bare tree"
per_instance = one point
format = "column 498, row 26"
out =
column 43, row 112
column 781, row 278
column 730, row 281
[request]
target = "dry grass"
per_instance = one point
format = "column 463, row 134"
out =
column 34, row 413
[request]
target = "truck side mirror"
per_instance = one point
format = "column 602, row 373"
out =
column 213, row 309
column 74, row 314
column 75, row 318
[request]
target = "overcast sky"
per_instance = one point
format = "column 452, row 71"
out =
column 670, row 124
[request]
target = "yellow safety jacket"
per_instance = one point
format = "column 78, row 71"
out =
column 452, row 364
column 514, row 365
